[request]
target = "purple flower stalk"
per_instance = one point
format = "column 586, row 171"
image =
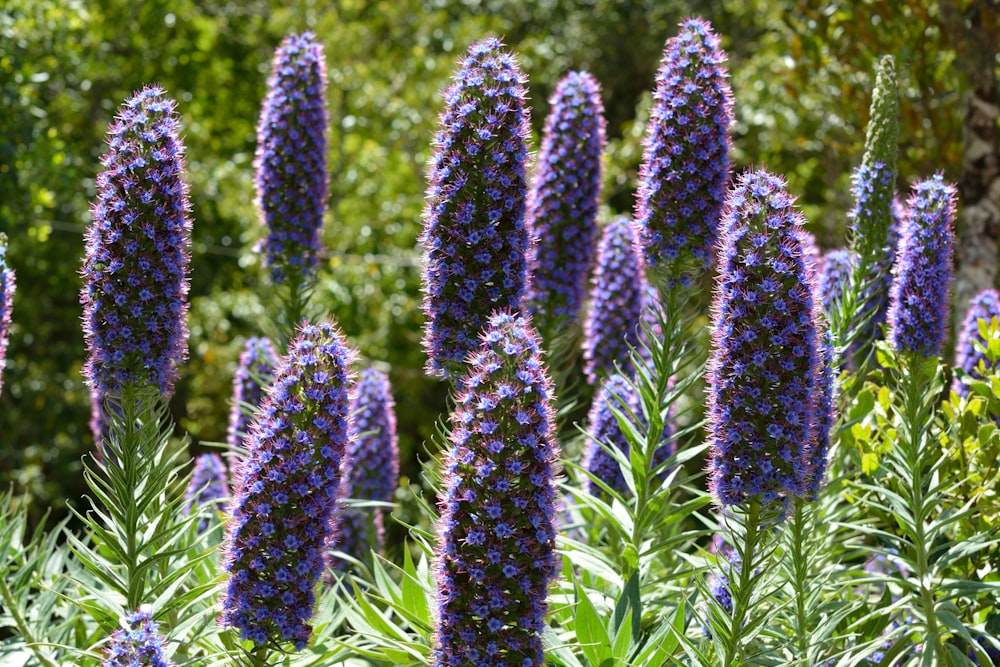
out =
column 371, row 469
column 984, row 306
column 825, row 416
column 136, row 267
column 497, row 532
column 765, row 359
column 281, row 528
column 685, row 162
column 254, row 372
column 615, row 392
column 919, row 300
column 835, row 277
column 7, row 286
column 291, row 179
column 209, row 483
column 474, row 232
column 617, row 296
column 562, row 205
column 140, row 645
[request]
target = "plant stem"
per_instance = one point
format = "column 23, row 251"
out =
column 743, row 593
column 260, row 656
column 22, row 625
column 799, row 554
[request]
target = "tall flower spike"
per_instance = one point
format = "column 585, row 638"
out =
column 291, row 179
column 255, row 370
column 919, row 300
column 562, row 205
column 825, row 416
column 371, row 469
column 7, row 286
column 764, row 362
column 276, row 543
column 136, row 266
column 617, row 296
column 834, row 277
column 984, row 306
column 209, row 483
column 685, row 161
column 140, row 645
column 474, row 232
column 496, row 551
column 874, row 181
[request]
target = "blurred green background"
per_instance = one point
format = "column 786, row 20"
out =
column 801, row 75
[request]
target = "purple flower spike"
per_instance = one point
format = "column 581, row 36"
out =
column 371, row 470
column 474, row 232
column 825, row 417
column 496, row 553
column 617, row 297
column 562, row 206
column 685, row 161
column 141, row 645
column 835, row 277
column 291, row 178
column 276, row 543
column 919, row 300
column 209, row 483
column 7, row 286
column 984, row 306
column 765, row 360
column 254, row 372
column 136, row 267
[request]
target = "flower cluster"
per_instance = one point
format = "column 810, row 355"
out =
column 562, row 204
column 254, row 372
column 474, row 232
column 835, row 277
column 141, row 645
column 719, row 586
column 136, row 266
column 371, row 469
column 685, row 164
column 276, row 543
column 984, row 306
column 209, row 484
column 919, row 302
column 497, row 533
column 291, row 179
column 617, row 296
column 765, row 360
column 7, row 285
column 825, row 416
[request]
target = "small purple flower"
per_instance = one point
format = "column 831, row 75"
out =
column 254, row 372
column 371, row 469
column 919, row 300
column 140, row 645
column 617, row 297
column 984, row 306
column 136, row 266
column 291, row 179
column 281, row 528
column 496, row 552
column 718, row 582
column 765, row 359
column 474, row 232
column 7, row 286
column 209, row 484
column 562, row 205
column 685, row 162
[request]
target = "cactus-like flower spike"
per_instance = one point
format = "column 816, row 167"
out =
column 874, row 181
column 834, row 277
column 919, row 300
column 371, row 469
column 617, row 295
column 136, row 267
column 825, row 416
column 254, row 372
column 984, row 306
column 140, row 645
column 764, row 361
column 209, row 483
column 811, row 252
column 562, row 204
column 281, row 528
column 292, row 184
column 7, row 286
column 474, row 232
column 685, row 162
column 603, row 427
column 496, row 552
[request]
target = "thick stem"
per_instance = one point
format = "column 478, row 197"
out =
column 799, row 554
column 742, row 595
column 260, row 655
